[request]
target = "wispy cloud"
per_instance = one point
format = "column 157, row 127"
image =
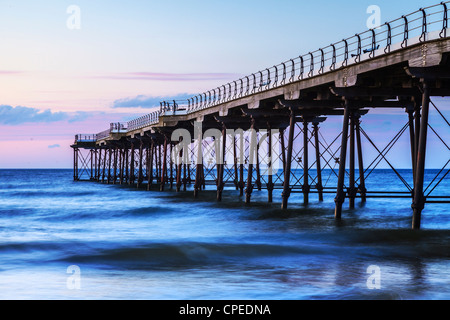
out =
column 53, row 146
column 155, row 76
column 19, row 115
column 143, row 101
column 9, row 72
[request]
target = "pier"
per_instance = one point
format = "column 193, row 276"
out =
column 265, row 132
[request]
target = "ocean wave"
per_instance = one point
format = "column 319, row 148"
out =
column 185, row 254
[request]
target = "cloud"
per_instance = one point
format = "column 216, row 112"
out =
column 18, row 115
column 143, row 101
column 154, row 76
column 54, row 146
column 9, row 72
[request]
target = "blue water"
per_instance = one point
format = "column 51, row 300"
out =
column 135, row 244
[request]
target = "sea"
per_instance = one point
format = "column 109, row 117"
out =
column 79, row 240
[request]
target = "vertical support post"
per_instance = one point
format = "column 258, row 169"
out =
column 283, row 150
column 131, row 181
column 236, row 172
column 252, row 148
column 122, row 165
column 221, row 165
column 99, row 164
column 270, row 166
column 287, row 164
column 188, row 165
column 419, row 198
column 241, row 163
column 115, row 164
column 150, row 170
column 258, row 172
column 416, row 132
column 351, row 189
column 158, row 163
column 362, row 181
column 199, row 169
column 127, row 165
column 96, row 167
column 171, row 165
column 164, row 166
column 104, row 166
column 184, row 175
column 109, row 165
column 141, row 155
column 75, row 164
column 92, row 164
column 340, row 193
column 179, row 166
column 305, row 186
column 412, row 140
column 319, row 185
column 147, row 161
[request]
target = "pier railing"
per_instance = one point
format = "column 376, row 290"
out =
column 146, row 120
column 118, row 127
column 85, row 137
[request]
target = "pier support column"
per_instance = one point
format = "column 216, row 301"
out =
column 270, row 166
column 122, row 165
column 199, row 165
column 141, row 156
column 319, row 185
column 158, row 163
column 116, row 164
column 104, row 166
column 241, row 163
column 351, row 188
column 164, row 166
column 75, row 164
column 150, row 168
column 99, row 165
column 132, row 177
column 91, row 177
column 340, row 193
column 305, row 187
column 412, row 140
column 109, row 165
column 179, row 167
column 184, row 174
column 221, row 164
column 236, row 170
column 419, row 198
column 362, row 181
column 171, row 166
column 287, row 163
column 252, row 149
column 258, row 172
column 127, row 165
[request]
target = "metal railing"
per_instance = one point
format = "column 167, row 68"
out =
column 118, row 127
column 146, row 120
column 103, row 134
column 419, row 26
column 85, row 137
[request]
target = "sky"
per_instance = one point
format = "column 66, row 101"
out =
column 61, row 76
